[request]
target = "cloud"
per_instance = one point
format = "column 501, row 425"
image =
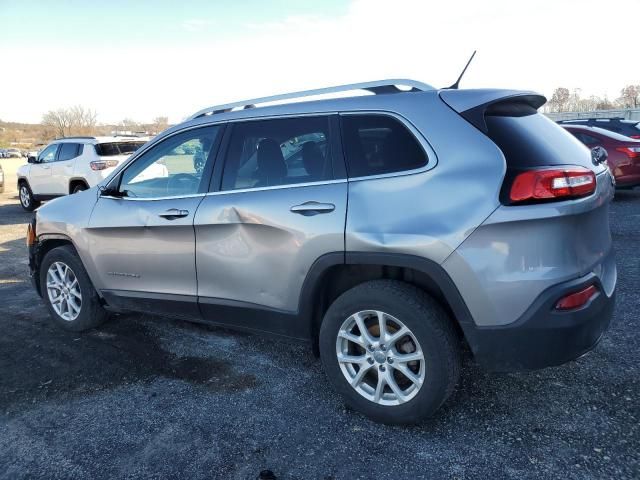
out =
column 197, row 24
column 520, row 45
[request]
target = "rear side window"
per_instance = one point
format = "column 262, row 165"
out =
column 267, row 153
column 529, row 139
column 378, row 144
column 586, row 139
column 112, row 149
column 69, row 151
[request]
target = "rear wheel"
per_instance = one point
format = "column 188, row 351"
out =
column 67, row 290
column 26, row 198
column 391, row 351
column 78, row 187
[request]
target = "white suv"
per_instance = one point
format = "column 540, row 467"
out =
column 71, row 164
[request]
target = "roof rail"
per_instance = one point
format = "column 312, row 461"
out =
column 76, row 138
column 377, row 87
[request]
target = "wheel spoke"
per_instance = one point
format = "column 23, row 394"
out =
column 395, row 387
column 397, row 336
column 353, row 338
column 382, row 381
column 408, row 357
column 357, row 359
column 75, row 294
column 364, row 331
column 54, row 286
column 382, row 324
column 412, row 377
column 60, row 272
column 360, row 375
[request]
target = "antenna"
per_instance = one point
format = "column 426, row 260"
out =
column 455, row 85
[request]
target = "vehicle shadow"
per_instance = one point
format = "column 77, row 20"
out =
column 12, row 214
column 631, row 195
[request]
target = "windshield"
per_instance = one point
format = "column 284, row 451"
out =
column 117, row 148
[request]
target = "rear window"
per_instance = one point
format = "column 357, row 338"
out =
column 377, row 144
column 112, row 149
column 532, row 140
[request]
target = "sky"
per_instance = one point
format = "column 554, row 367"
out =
column 143, row 59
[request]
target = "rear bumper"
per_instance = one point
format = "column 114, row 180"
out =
column 543, row 336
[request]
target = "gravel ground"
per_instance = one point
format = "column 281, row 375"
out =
column 150, row 397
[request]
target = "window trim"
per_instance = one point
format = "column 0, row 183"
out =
column 335, row 142
column 218, row 162
column 430, row 154
column 207, row 172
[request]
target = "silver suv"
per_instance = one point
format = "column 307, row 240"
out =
column 389, row 231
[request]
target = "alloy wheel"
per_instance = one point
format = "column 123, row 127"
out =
column 25, row 197
column 380, row 357
column 64, row 291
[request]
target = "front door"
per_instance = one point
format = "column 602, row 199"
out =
column 141, row 234
column 40, row 179
column 280, row 206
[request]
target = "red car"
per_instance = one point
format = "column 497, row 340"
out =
column 624, row 152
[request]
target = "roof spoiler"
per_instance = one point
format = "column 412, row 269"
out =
column 473, row 105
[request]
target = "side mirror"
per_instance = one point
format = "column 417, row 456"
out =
column 32, row 159
column 599, row 155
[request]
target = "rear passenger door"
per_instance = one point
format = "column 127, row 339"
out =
column 278, row 203
column 62, row 168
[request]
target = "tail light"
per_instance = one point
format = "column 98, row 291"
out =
column 557, row 183
column 631, row 152
column 635, row 136
column 577, row 299
column 103, row 164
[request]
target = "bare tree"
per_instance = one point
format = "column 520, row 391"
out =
column 630, row 96
column 559, row 100
column 64, row 122
column 159, row 124
column 58, row 121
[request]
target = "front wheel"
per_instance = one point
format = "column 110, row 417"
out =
column 26, row 198
column 67, row 290
column 391, row 351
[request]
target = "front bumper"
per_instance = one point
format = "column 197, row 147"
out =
column 544, row 336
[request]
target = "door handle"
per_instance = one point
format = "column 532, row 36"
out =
column 308, row 209
column 174, row 213
column 46, row 167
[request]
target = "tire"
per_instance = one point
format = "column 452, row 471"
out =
column 430, row 335
column 85, row 313
column 80, row 187
column 27, row 201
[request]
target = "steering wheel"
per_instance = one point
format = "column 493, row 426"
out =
column 182, row 182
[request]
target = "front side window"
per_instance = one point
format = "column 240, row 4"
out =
column 378, row 144
column 68, row 151
column 49, row 153
column 171, row 168
column 266, row 153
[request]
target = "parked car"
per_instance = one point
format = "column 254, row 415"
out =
column 1, row 180
column 13, row 153
column 628, row 128
column 3, row 153
column 623, row 152
column 461, row 207
column 70, row 165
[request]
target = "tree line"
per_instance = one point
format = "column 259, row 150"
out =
column 79, row 120
column 564, row 100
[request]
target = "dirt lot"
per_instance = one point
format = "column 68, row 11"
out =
column 151, row 397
